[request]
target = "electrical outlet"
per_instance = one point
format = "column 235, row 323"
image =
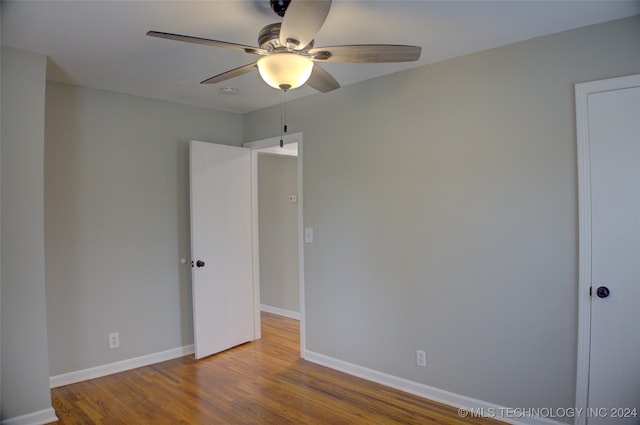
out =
column 114, row 340
column 421, row 358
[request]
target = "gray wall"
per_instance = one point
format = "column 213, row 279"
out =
column 116, row 192
column 25, row 364
column 278, row 224
column 0, row 221
column 444, row 207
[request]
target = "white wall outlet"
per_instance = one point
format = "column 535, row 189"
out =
column 293, row 199
column 421, row 358
column 114, row 340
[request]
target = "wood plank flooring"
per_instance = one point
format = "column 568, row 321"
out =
column 263, row 382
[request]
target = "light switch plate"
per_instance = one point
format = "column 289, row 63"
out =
column 308, row 234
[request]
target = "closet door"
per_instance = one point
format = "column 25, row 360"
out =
column 614, row 149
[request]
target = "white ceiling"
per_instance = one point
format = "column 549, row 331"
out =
column 102, row 44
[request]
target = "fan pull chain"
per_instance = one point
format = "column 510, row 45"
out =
column 285, row 111
column 283, row 117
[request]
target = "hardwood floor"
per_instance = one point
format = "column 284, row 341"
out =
column 264, row 382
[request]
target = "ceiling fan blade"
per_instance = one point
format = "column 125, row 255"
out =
column 236, row 72
column 302, row 21
column 321, row 80
column 207, row 42
column 367, row 53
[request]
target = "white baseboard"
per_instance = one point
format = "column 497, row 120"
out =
column 40, row 417
column 120, row 366
column 280, row 311
column 469, row 405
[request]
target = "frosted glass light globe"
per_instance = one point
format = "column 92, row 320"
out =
column 285, row 70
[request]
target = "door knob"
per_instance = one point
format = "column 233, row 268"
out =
column 602, row 292
column 199, row 263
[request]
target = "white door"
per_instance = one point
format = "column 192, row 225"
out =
column 221, row 247
column 614, row 140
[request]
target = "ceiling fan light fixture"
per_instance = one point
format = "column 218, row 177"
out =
column 285, row 70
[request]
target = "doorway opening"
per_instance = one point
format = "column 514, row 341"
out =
column 277, row 228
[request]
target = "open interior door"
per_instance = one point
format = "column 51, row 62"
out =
column 221, row 247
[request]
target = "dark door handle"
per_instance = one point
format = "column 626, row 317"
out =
column 199, row 263
column 602, row 292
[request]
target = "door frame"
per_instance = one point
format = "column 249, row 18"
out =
column 582, row 92
column 255, row 147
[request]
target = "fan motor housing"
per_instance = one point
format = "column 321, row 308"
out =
column 269, row 38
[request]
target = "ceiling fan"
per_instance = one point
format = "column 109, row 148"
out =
column 288, row 58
